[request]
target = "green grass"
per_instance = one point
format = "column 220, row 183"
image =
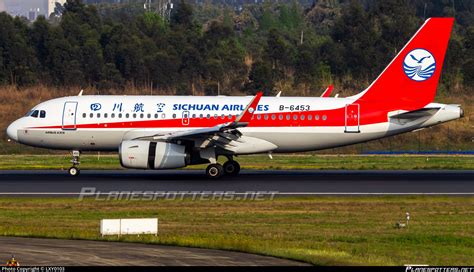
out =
column 321, row 231
column 305, row 161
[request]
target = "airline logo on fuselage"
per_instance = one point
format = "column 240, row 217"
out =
column 215, row 107
column 160, row 107
column 96, row 106
column 419, row 64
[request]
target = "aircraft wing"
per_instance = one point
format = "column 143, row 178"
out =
column 225, row 135
column 198, row 133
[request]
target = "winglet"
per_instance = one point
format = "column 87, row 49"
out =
column 328, row 91
column 247, row 114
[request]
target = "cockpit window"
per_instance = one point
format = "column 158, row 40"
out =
column 35, row 114
column 28, row 113
column 42, row 114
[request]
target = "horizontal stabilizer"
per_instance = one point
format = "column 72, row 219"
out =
column 416, row 115
column 328, row 91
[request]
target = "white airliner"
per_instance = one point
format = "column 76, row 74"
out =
column 164, row 132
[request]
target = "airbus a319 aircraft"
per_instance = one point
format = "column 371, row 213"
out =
column 165, row 132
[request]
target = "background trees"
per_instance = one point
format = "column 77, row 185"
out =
column 210, row 49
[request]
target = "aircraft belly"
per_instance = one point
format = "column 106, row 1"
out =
column 275, row 139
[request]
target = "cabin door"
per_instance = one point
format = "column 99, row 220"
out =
column 69, row 116
column 352, row 118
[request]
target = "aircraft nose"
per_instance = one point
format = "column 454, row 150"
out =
column 12, row 131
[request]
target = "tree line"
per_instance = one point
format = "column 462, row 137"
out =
column 209, row 49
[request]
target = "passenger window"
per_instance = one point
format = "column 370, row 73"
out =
column 148, row 116
column 222, row 116
column 174, row 115
column 42, row 114
column 302, row 117
column 98, row 115
column 141, row 115
column 35, row 114
column 120, row 115
column 112, row 115
column 280, row 117
column 163, row 115
column 230, row 116
column 266, row 116
column 194, row 115
column 105, row 115
column 316, row 117
column 127, row 115
column 200, row 115
column 325, row 117
column 215, row 116
column 295, row 117
column 91, row 115
column 288, row 117
column 310, row 117
column 208, row 116
column 273, row 116
column 84, row 115
column 259, row 117
column 156, row 115
column 134, row 115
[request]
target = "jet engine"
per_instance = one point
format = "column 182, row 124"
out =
column 152, row 155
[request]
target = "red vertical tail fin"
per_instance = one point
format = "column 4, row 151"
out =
column 409, row 82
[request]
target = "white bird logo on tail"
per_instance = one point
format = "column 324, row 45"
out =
column 419, row 65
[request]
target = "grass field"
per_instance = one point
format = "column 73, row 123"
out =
column 321, row 231
column 354, row 162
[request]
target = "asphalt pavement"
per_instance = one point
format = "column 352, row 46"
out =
column 279, row 182
column 56, row 252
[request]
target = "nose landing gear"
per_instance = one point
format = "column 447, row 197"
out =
column 74, row 170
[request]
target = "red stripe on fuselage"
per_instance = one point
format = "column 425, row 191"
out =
column 333, row 117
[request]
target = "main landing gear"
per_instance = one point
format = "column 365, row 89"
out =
column 231, row 168
column 74, row 170
column 216, row 170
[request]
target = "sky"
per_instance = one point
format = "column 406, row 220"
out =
column 22, row 7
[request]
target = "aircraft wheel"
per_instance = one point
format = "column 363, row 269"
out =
column 214, row 171
column 73, row 171
column 231, row 168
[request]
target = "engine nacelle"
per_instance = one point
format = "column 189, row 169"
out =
column 152, row 155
